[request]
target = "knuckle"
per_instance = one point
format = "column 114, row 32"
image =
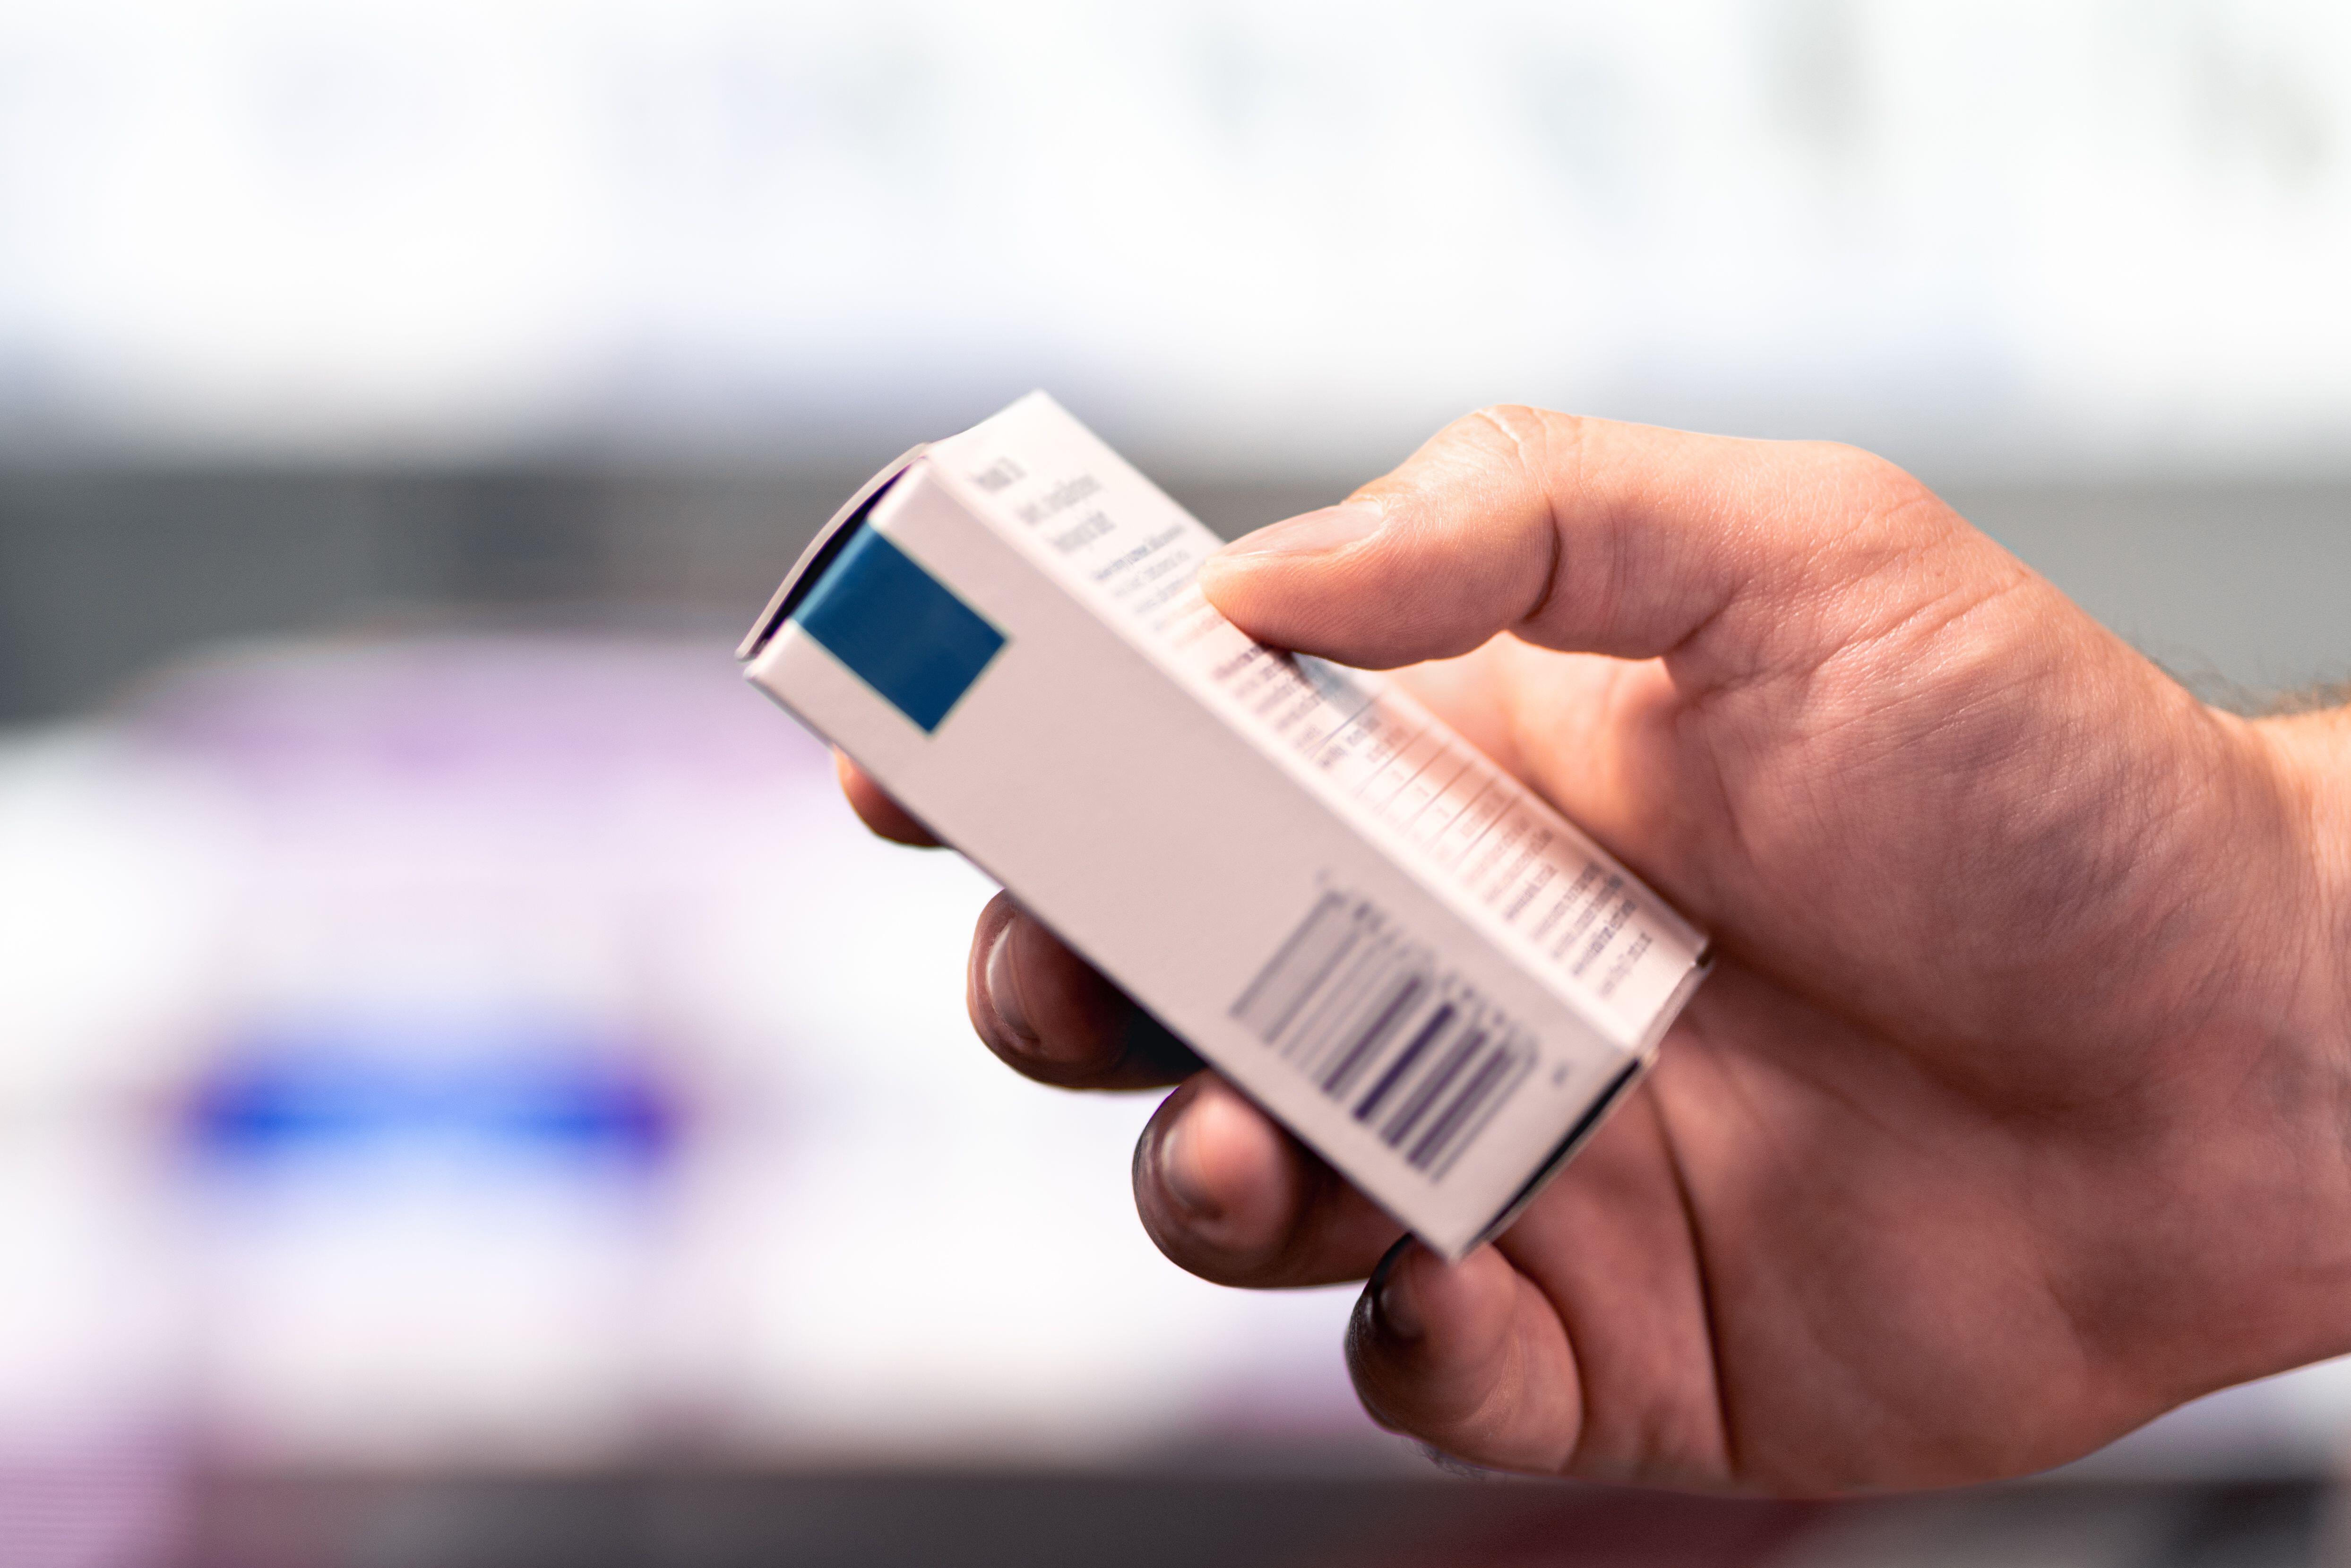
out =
column 1524, row 438
column 1502, row 449
column 1513, row 421
column 1854, row 515
column 1879, row 483
column 1516, row 445
column 1480, row 438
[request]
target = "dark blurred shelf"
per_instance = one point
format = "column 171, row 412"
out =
column 105, row 572
column 969, row 1520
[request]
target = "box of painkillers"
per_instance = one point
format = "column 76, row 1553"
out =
column 1392, row 946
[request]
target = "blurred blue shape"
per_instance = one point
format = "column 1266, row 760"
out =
column 490, row 1090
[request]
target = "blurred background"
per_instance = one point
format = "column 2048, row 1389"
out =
column 469, row 1094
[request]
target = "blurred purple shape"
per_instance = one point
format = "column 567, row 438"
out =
column 116, row 1500
column 548, row 711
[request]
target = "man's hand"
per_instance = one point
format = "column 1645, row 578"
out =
column 2017, row 1111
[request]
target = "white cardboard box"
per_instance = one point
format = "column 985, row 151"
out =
column 1413, row 962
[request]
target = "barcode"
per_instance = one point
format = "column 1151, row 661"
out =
column 1370, row 1018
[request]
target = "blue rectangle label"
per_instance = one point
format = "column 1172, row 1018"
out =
column 899, row 629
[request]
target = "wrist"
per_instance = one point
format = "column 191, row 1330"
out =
column 2310, row 755
column 2288, row 1065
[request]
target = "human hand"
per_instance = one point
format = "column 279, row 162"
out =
column 2016, row 1109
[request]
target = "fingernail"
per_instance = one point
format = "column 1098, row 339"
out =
column 1392, row 1303
column 1179, row 1171
column 1004, row 991
column 1310, row 533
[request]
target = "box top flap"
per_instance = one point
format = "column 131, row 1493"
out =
column 821, row 551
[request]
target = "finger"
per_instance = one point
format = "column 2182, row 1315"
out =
column 1468, row 1357
column 876, row 810
column 1580, row 535
column 1049, row 1015
column 1230, row 1195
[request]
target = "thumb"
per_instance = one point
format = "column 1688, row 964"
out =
column 1577, row 534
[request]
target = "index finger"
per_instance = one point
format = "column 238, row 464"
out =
column 877, row 811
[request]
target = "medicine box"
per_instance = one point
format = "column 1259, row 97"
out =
column 1393, row 946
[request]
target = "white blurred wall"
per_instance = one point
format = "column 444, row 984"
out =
column 2059, row 236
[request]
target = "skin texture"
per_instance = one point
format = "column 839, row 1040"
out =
column 2016, row 1110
